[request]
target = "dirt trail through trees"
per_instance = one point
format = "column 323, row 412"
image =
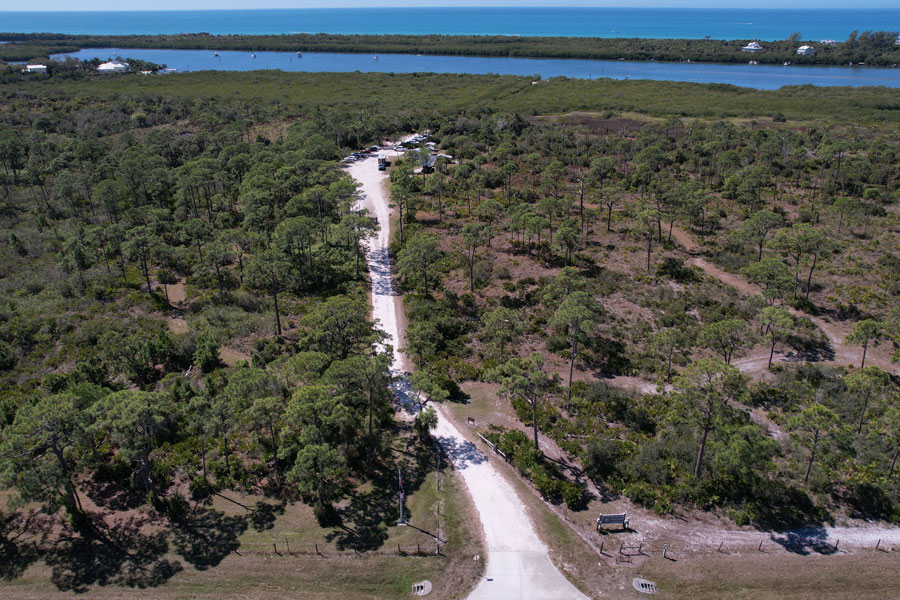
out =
column 756, row 362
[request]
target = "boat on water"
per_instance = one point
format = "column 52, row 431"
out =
column 216, row 54
column 753, row 62
column 376, row 58
column 252, row 56
column 299, row 54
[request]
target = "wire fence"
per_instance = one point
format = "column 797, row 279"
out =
column 629, row 551
column 284, row 547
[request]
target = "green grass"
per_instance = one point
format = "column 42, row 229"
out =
column 772, row 577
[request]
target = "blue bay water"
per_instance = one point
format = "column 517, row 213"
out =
column 745, row 75
column 590, row 22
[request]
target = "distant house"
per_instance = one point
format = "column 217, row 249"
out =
column 897, row 42
column 36, row 68
column 752, row 47
column 806, row 51
column 114, row 67
column 828, row 42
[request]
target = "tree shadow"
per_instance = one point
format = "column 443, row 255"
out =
column 16, row 554
column 805, row 541
column 263, row 515
column 207, row 536
column 805, row 349
column 363, row 522
column 461, row 454
column 111, row 490
column 119, row 555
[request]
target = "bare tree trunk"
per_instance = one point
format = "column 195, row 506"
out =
column 571, row 370
column 812, row 456
column 699, row 465
column 277, row 316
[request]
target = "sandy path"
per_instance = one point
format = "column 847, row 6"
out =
column 844, row 354
column 518, row 566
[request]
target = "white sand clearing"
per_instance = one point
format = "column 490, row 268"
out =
column 517, row 564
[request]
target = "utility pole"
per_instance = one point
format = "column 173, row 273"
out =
column 400, row 498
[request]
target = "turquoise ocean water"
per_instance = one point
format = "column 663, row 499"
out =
column 591, row 22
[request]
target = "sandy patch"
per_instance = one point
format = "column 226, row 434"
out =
column 177, row 325
column 232, row 357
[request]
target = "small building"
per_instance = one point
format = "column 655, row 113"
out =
column 752, row 47
column 897, row 41
column 828, row 42
column 36, row 68
column 114, row 67
column 806, row 51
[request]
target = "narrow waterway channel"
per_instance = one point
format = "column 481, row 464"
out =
column 744, row 75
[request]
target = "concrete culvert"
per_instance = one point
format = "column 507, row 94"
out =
column 644, row 586
column 423, row 588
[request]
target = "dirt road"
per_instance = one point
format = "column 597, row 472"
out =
column 843, row 354
column 518, row 566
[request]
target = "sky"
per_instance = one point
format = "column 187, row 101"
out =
column 257, row 4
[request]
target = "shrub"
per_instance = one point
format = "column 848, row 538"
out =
column 206, row 356
column 601, row 457
column 573, row 495
column 674, row 269
column 201, row 489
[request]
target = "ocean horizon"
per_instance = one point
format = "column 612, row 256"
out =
column 727, row 24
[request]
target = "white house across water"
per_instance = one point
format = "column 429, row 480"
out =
column 36, row 68
column 113, row 67
column 806, row 51
column 752, row 47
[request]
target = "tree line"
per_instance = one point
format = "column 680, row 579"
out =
column 875, row 48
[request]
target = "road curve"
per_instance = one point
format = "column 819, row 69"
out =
column 518, row 566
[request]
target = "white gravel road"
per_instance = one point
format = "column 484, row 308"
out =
column 517, row 564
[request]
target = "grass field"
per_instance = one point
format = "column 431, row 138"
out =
column 858, row 576
column 254, row 569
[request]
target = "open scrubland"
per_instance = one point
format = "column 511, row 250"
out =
column 673, row 300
